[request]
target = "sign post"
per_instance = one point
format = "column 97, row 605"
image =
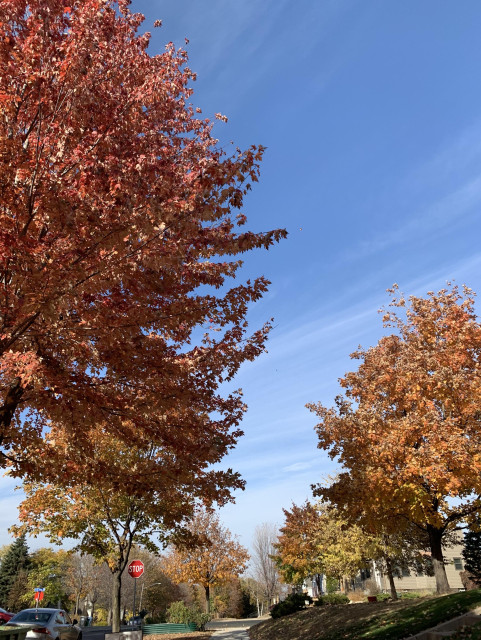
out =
column 38, row 595
column 136, row 569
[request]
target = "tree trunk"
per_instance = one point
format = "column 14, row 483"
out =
column 435, row 542
column 392, row 586
column 207, row 599
column 318, row 580
column 116, row 586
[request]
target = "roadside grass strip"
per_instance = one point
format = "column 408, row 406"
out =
column 411, row 620
column 472, row 633
column 377, row 622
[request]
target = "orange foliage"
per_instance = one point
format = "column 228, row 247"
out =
column 408, row 427
column 214, row 557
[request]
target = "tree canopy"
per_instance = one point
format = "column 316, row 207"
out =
column 107, row 524
column 211, row 557
column 407, row 429
column 120, row 229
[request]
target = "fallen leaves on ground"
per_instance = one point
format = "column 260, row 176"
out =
column 181, row 636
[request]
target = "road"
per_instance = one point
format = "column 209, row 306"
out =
column 226, row 629
column 232, row 629
column 98, row 633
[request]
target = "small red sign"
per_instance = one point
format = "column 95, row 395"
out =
column 38, row 596
column 136, row 568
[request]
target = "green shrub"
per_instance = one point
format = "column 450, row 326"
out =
column 332, row 598
column 332, row 584
column 382, row 597
column 179, row 613
column 294, row 602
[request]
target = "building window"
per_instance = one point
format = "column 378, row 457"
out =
column 400, row 571
column 458, row 564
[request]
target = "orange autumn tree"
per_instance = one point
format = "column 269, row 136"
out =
column 120, row 229
column 318, row 539
column 408, row 428
column 297, row 555
column 212, row 557
column 106, row 523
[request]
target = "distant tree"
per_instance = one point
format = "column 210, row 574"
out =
column 297, row 553
column 19, row 592
column 255, row 598
column 227, row 599
column 472, row 553
column 47, row 570
column 79, row 578
column 264, row 566
column 318, row 539
column 3, row 552
column 210, row 558
column 15, row 561
column 249, row 604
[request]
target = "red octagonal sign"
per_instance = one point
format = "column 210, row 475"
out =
column 136, row 568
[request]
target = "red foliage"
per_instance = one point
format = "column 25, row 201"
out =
column 117, row 241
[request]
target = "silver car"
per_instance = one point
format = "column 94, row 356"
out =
column 47, row 624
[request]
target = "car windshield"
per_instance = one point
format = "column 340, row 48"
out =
column 32, row 616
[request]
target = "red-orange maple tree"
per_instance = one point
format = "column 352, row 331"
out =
column 214, row 557
column 118, row 237
column 408, row 428
column 298, row 555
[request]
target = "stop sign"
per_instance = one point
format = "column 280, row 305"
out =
column 136, row 568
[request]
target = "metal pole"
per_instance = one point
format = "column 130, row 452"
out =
column 135, row 589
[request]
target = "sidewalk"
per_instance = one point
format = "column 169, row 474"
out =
column 232, row 629
column 232, row 634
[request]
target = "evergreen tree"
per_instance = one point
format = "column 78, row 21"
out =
column 17, row 596
column 16, row 561
column 472, row 554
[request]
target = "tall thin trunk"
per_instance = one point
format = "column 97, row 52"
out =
column 116, row 586
column 435, row 542
column 390, row 575
column 207, row 598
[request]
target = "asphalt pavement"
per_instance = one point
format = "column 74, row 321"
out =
column 225, row 629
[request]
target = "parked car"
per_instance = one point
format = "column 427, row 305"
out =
column 47, row 624
column 5, row 616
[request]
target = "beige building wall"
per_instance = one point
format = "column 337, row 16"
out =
column 414, row 582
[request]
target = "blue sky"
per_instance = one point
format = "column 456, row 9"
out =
column 371, row 115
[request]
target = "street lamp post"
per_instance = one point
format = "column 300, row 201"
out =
column 142, row 592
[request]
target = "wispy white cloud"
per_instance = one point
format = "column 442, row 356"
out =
column 432, row 220
column 297, row 466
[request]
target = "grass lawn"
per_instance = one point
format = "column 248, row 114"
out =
column 376, row 621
